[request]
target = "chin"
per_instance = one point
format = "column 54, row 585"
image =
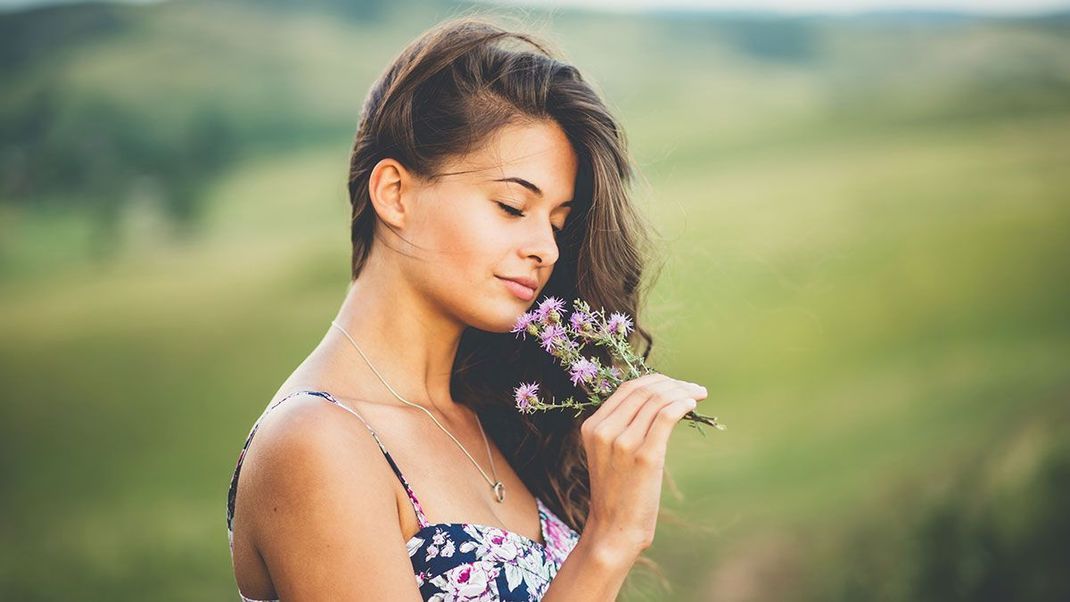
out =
column 503, row 319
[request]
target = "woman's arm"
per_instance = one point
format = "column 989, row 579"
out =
column 594, row 571
column 324, row 516
column 625, row 440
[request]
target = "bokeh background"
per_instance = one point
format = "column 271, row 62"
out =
column 863, row 226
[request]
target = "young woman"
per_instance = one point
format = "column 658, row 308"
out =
column 393, row 464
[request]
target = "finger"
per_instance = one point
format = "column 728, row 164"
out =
column 608, row 406
column 657, row 438
column 626, row 411
column 634, row 434
column 641, row 420
column 676, row 389
column 698, row 391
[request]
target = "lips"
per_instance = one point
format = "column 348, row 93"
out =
column 528, row 282
column 523, row 288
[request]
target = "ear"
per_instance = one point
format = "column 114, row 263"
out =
column 390, row 187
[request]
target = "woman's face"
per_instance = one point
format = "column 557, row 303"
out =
column 498, row 219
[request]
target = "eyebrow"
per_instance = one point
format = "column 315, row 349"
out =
column 529, row 186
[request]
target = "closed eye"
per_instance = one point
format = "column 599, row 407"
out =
column 518, row 213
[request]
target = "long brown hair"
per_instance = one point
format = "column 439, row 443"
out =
column 446, row 94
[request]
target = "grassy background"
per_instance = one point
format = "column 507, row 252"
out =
column 863, row 223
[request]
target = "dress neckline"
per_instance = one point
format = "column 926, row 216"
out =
column 543, row 517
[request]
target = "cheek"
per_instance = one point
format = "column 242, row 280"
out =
column 470, row 240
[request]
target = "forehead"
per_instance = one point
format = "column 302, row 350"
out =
column 539, row 153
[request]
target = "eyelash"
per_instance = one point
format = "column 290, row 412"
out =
column 518, row 213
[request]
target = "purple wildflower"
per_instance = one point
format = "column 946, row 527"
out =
column 522, row 324
column 549, row 307
column 583, row 370
column 581, row 321
column 618, row 324
column 526, row 396
column 553, row 334
column 602, row 386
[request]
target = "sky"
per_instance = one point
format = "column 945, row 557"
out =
column 1009, row 7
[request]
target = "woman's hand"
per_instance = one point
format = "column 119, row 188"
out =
column 625, row 440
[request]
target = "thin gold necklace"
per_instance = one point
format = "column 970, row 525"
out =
column 496, row 485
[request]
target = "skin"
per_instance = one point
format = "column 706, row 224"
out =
column 315, row 493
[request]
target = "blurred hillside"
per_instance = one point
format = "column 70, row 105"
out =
column 110, row 106
column 862, row 223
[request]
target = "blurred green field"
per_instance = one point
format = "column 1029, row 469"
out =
column 865, row 260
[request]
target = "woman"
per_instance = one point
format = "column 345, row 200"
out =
column 480, row 179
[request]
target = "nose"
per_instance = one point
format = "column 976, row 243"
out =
column 542, row 245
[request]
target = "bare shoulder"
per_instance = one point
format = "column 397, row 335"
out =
column 320, row 504
column 306, row 439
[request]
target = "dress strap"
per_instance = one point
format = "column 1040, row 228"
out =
column 420, row 517
column 233, row 489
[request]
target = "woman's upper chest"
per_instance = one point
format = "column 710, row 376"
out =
column 450, row 487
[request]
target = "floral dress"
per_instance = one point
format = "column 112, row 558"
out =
column 459, row 562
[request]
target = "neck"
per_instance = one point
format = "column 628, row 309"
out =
column 410, row 344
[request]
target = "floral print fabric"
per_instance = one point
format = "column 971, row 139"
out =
column 460, row 562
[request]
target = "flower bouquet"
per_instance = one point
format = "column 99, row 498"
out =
column 564, row 338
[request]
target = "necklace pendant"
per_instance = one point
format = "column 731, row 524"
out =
column 499, row 491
